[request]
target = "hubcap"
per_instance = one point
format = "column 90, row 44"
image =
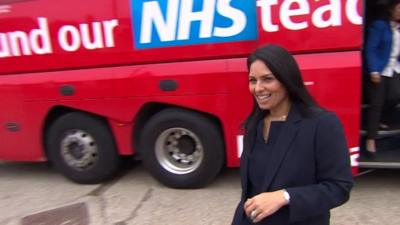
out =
column 79, row 149
column 179, row 150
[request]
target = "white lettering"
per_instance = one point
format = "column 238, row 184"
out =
column 70, row 38
column 4, row 49
column 266, row 15
column 238, row 18
column 165, row 28
column 352, row 13
column 334, row 9
column 18, row 38
column 239, row 143
column 354, row 159
column 72, row 32
column 187, row 16
column 327, row 15
column 41, row 35
column 90, row 36
column 287, row 12
column 97, row 41
column 109, row 31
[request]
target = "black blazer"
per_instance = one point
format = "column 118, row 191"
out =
column 311, row 161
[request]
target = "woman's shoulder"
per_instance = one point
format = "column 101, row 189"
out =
column 327, row 120
column 312, row 112
column 319, row 114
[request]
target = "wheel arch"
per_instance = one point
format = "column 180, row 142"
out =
column 150, row 109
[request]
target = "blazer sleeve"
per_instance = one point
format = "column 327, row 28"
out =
column 372, row 48
column 334, row 179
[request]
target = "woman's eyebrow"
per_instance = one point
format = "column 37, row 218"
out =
column 264, row 75
column 267, row 74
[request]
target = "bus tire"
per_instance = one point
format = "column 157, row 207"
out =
column 182, row 149
column 82, row 148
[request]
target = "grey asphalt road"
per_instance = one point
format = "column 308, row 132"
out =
column 35, row 194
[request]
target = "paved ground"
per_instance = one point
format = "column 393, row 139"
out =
column 34, row 194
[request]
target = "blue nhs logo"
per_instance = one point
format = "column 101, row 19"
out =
column 163, row 23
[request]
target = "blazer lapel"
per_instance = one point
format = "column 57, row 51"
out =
column 247, row 147
column 282, row 144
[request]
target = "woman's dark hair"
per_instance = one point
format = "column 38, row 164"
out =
column 389, row 6
column 285, row 69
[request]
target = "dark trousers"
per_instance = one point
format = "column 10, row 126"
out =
column 379, row 105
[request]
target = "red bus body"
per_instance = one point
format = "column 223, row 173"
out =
column 114, row 79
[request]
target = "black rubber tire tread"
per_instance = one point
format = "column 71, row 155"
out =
column 204, row 128
column 108, row 162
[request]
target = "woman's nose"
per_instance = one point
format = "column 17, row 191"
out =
column 258, row 87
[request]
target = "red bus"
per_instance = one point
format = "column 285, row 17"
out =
column 83, row 83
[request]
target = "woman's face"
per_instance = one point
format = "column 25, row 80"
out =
column 395, row 13
column 269, row 93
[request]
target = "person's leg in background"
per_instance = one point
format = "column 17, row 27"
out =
column 376, row 102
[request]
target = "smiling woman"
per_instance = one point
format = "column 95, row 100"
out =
column 295, row 165
column 269, row 93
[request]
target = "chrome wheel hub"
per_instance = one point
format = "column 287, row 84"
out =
column 179, row 150
column 79, row 149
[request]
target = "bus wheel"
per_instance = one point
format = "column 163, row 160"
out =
column 81, row 147
column 182, row 149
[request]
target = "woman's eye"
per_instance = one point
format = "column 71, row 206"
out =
column 267, row 78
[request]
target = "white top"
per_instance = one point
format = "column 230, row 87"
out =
column 393, row 64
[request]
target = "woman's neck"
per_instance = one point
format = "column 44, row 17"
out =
column 280, row 112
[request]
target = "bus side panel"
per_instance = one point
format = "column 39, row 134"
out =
column 12, row 118
column 63, row 25
column 60, row 24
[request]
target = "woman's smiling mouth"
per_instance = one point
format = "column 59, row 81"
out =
column 263, row 97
